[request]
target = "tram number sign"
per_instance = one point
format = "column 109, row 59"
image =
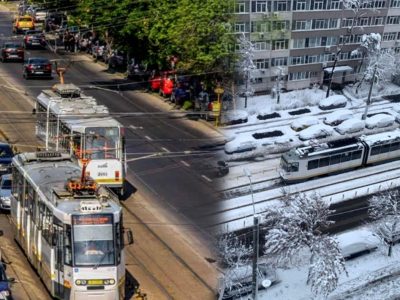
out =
column 91, row 219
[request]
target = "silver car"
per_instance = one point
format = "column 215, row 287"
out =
column 5, row 191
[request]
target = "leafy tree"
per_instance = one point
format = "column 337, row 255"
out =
column 300, row 225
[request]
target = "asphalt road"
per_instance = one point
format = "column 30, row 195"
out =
column 183, row 182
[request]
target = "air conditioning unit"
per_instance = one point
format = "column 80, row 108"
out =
column 266, row 15
column 262, row 71
column 261, row 35
column 328, row 49
column 275, row 14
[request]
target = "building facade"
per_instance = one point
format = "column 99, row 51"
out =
column 296, row 42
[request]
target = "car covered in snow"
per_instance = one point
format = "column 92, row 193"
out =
column 239, row 146
column 337, row 117
column 303, row 123
column 357, row 242
column 241, row 280
column 379, row 121
column 316, row 132
column 335, row 101
column 352, row 125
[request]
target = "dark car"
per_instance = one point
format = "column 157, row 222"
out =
column 6, row 155
column 34, row 38
column 12, row 51
column 37, row 67
column 5, row 286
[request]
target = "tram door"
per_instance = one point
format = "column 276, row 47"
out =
column 58, row 258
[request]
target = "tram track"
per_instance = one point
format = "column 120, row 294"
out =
column 331, row 188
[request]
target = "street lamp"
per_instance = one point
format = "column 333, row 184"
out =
column 256, row 233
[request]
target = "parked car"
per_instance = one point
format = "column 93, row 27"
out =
column 37, row 67
column 379, row 121
column 316, row 132
column 357, row 242
column 350, row 126
column 5, row 192
column 240, row 146
column 23, row 23
column 5, row 283
column 12, row 51
column 6, row 155
column 34, row 38
column 303, row 123
column 241, row 283
column 337, row 117
column 335, row 101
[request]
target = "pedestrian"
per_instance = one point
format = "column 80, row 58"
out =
column 66, row 40
column 72, row 43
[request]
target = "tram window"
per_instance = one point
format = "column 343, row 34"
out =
column 323, row 162
column 375, row 150
column 118, row 241
column 335, row 159
column 394, row 146
column 41, row 214
column 47, row 226
column 312, row 164
column 346, row 157
column 385, row 148
column 356, row 154
column 67, row 245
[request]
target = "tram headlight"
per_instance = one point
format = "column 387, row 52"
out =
column 112, row 281
column 106, row 281
column 80, row 282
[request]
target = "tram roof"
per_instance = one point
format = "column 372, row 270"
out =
column 380, row 138
column 49, row 178
column 79, row 125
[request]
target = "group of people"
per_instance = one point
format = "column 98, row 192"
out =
column 70, row 41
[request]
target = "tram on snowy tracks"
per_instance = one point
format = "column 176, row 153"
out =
column 69, row 120
column 311, row 161
column 70, row 229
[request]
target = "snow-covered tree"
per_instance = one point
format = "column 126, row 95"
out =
column 385, row 209
column 300, row 225
column 246, row 64
column 233, row 254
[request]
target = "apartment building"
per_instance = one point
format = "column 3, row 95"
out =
column 297, row 42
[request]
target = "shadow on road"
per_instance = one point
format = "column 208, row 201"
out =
column 131, row 285
column 119, row 85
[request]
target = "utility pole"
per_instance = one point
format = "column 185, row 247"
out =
column 364, row 116
column 247, row 85
column 256, row 234
column 278, row 86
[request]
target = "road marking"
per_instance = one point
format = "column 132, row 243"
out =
column 165, row 149
column 206, row 178
column 148, row 138
column 135, row 127
column 185, row 163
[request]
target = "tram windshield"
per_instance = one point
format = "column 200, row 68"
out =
column 93, row 243
column 102, row 142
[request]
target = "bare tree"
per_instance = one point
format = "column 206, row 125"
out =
column 233, row 254
column 385, row 208
column 300, row 225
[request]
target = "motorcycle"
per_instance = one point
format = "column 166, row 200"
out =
column 223, row 168
column 117, row 61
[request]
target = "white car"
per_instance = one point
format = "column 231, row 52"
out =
column 337, row 117
column 5, row 192
column 316, row 132
column 350, row 126
column 240, row 146
column 303, row 123
column 357, row 242
column 335, row 101
column 379, row 121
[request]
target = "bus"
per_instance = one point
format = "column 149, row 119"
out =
column 68, row 120
column 70, row 229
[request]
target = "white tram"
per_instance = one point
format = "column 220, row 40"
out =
column 71, row 232
column 71, row 121
column 336, row 156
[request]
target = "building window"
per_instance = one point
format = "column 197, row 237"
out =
column 395, row 3
column 348, row 22
column 389, row 36
column 280, row 45
column 299, row 76
column 279, row 61
column 379, row 4
column 279, row 25
column 392, row 20
column 302, row 25
column 260, row 46
column 240, row 27
column 320, row 24
column 261, row 6
column 298, row 60
column 334, row 4
column 281, row 6
column 261, row 64
column 240, row 8
column 363, row 22
column 331, row 40
column 327, row 57
column 378, row 21
column 302, row 5
column 333, row 23
column 314, row 42
column 344, row 55
column 314, row 74
column 318, row 5
column 299, row 43
column 312, row 59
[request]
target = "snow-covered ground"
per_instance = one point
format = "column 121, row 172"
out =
column 372, row 276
